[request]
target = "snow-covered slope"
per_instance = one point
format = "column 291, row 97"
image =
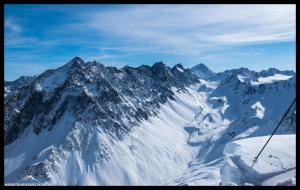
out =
column 275, row 166
column 231, row 110
column 87, row 124
column 90, row 155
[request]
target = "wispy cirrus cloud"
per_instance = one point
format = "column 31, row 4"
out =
column 192, row 29
column 133, row 34
column 199, row 21
column 9, row 23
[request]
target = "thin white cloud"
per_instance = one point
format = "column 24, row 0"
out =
column 9, row 23
column 182, row 28
column 244, row 37
column 194, row 28
column 153, row 25
column 101, row 57
column 190, row 31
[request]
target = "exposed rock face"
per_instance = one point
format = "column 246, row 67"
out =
column 10, row 86
column 269, row 72
column 182, row 77
column 91, row 90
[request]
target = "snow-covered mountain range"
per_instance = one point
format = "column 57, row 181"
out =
column 88, row 124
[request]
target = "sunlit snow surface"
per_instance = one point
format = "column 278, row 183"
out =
column 275, row 166
column 243, row 78
column 185, row 144
column 179, row 69
column 271, row 79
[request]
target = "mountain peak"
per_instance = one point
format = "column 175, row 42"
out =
column 178, row 65
column 269, row 72
column 200, row 65
column 202, row 71
column 75, row 60
column 159, row 64
column 160, row 70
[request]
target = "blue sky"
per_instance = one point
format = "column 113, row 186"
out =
column 41, row 37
